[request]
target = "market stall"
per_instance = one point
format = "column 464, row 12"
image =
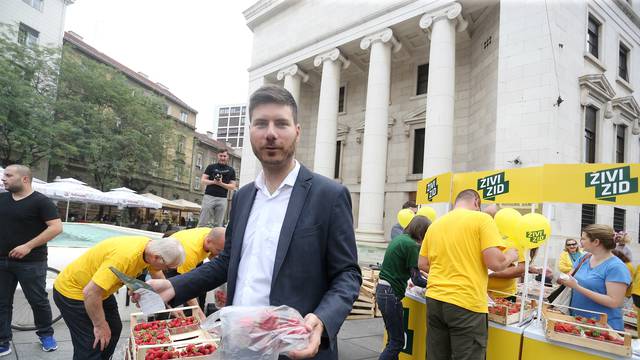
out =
column 608, row 184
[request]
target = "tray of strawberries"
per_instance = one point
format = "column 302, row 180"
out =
column 506, row 312
column 593, row 333
column 630, row 317
column 175, row 338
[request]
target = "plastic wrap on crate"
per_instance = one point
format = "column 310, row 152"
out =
column 257, row 333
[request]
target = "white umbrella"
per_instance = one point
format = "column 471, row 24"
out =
column 126, row 197
column 70, row 189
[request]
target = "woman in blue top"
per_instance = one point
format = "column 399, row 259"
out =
column 600, row 282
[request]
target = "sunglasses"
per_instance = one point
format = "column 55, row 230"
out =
column 573, row 244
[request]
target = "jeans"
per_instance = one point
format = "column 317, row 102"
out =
column 32, row 278
column 392, row 313
column 212, row 212
column 454, row 332
column 81, row 328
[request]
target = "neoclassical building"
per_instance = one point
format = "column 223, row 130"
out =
column 391, row 92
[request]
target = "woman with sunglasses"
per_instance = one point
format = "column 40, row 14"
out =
column 570, row 256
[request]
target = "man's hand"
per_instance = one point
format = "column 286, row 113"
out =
column 20, row 251
column 102, row 335
column 161, row 286
column 315, row 326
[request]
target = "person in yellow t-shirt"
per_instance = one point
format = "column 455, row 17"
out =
column 457, row 251
column 84, row 290
column 504, row 284
column 199, row 244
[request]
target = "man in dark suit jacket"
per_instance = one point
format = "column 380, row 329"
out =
column 290, row 238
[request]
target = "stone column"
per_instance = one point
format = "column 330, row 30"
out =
column 438, row 148
column 249, row 166
column 374, row 146
column 292, row 76
column 326, row 134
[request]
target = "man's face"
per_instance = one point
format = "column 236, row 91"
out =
column 214, row 247
column 274, row 134
column 12, row 181
column 223, row 157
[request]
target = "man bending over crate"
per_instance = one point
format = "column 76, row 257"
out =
column 84, row 289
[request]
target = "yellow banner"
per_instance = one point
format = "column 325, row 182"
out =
column 521, row 185
column 435, row 189
column 608, row 184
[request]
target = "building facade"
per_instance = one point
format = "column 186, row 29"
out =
column 229, row 124
column 36, row 21
column 175, row 171
column 391, row 92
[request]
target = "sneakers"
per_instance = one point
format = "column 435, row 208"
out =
column 48, row 343
column 5, row 349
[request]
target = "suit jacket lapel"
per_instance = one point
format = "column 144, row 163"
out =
column 296, row 203
column 244, row 209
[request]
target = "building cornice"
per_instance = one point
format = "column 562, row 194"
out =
column 598, row 88
column 628, row 10
column 262, row 10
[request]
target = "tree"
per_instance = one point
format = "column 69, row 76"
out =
column 119, row 128
column 28, row 75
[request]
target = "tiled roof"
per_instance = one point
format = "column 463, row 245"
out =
column 215, row 143
column 78, row 43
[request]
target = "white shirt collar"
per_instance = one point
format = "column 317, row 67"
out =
column 290, row 180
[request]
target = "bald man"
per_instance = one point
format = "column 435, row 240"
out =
column 28, row 220
column 199, row 244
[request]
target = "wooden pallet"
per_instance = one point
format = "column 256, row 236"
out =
column 551, row 318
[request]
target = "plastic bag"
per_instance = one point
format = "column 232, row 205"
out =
column 220, row 296
column 257, row 333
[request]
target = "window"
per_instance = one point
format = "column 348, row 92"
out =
column 244, row 110
column 196, row 183
column 27, row 36
column 222, row 133
column 591, row 114
column 178, row 173
column 233, row 131
column 233, row 142
column 336, row 171
column 223, row 122
column 234, row 121
column 240, row 141
column 223, row 111
column 588, row 215
column 183, row 116
column 341, row 96
column 423, row 79
column 593, row 35
column 621, row 131
column 167, row 109
column 180, row 145
column 618, row 218
column 418, row 151
column 36, row 4
column 199, row 160
column 235, row 111
column 623, row 62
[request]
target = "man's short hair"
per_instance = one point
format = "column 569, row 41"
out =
column 23, row 170
column 409, row 204
column 223, row 151
column 468, row 194
column 273, row 94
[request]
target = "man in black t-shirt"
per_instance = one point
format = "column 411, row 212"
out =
column 28, row 220
column 218, row 178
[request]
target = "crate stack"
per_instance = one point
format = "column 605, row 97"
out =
column 365, row 306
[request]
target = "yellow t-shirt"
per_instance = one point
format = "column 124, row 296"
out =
column 506, row 287
column 454, row 244
column 192, row 241
column 633, row 277
column 124, row 253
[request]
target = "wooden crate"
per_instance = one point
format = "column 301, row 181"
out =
column 509, row 319
column 365, row 305
column 552, row 318
column 180, row 337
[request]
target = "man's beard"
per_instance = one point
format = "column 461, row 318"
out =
column 287, row 152
column 14, row 188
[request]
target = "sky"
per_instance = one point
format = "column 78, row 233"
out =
column 199, row 49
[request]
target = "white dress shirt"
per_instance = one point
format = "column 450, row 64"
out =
column 260, row 242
